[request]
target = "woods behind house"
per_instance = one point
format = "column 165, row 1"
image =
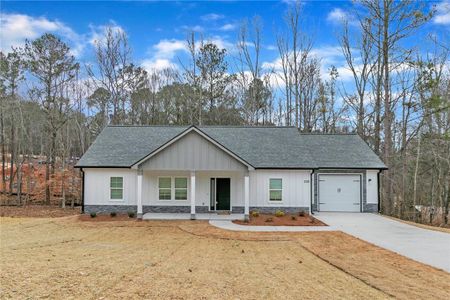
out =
column 53, row 106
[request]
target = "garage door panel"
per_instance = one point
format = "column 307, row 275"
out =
column 339, row 193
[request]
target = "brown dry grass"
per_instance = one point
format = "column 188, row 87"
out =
column 69, row 258
column 392, row 273
column 66, row 258
column 37, row 211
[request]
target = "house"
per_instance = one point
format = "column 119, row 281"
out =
column 199, row 169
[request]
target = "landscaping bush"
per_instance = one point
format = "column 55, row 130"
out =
column 93, row 214
column 269, row 220
column 301, row 213
column 113, row 214
column 293, row 218
column 279, row 213
column 131, row 214
column 255, row 214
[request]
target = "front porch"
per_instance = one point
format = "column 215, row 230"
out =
column 198, row 216
column 203, row 195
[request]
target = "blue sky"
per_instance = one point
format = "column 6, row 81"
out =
column 157, row 29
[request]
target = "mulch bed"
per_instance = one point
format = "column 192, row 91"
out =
column 37, row 211
column 286, row 220
column 105, row 218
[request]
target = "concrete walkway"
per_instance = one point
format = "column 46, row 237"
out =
column 423, row 245
column 228, row 225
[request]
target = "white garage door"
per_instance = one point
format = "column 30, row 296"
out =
column 339, row 193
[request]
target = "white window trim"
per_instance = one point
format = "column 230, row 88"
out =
column 172, row 189
column 123, row 190
column 269, row 189
column 175, row 189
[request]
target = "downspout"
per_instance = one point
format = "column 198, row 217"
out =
column 378, row 191
column 82, row 190
column 311, row 192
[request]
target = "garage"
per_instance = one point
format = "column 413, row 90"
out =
column 340, row 192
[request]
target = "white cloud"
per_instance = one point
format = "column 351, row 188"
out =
column 222, row 43
column 228, row 27
column 212, row 17
column 98, row 33
column 328, row 56
column 338, row 16
column 16, row 28
column 442, row 16
column 157, row 64
column 168, row 48
column 163, row 53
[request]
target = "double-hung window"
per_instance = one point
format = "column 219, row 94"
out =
column 180, row 188
column 116, row 188
column 165, row 188
column 275, row 189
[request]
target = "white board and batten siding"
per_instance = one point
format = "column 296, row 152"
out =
column 97, row 186
column 202, row 185
column 296, row 190
column 193, row 152
column 372, row 186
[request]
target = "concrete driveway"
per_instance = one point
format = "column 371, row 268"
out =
column 423, row 245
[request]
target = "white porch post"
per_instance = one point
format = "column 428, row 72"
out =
column 193, row 195
column 139, row 193
column 246, row 197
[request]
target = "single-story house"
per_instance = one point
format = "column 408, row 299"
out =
column 200, row 169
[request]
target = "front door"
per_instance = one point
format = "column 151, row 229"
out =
column 222, row 193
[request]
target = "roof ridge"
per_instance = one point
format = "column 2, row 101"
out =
column 204, row 126
column 321, row 133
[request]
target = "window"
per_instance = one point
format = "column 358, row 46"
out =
column 180, row 188
column 116, row 188
column 275, row 189
column 165, row 188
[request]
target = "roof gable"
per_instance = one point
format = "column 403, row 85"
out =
column 192, row 150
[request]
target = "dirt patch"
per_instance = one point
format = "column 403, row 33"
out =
column 38, row 211
column 286, row 220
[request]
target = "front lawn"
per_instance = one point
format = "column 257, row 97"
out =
column 69, row 258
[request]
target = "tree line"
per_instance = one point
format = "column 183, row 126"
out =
column 53, row 105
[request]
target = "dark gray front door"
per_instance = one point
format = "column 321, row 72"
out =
column 223, row 193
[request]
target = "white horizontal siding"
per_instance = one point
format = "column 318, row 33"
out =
column 193, row 152
column 296, row 188
column 97, row 189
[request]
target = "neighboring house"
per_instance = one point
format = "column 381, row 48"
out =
column 198, row 169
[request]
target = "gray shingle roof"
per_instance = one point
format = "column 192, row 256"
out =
column 261, row 147
column 341, row 151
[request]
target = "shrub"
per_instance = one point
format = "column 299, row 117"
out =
column 131, row 214
column 301, row 214
column 93, row 214
column 269, row 220
column 293, row 218
column 255, row 214
column 279, row 213
column 113, row 214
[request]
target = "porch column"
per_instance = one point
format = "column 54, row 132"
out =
column 193, row 195
column 139, row 193
column 246, row 197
